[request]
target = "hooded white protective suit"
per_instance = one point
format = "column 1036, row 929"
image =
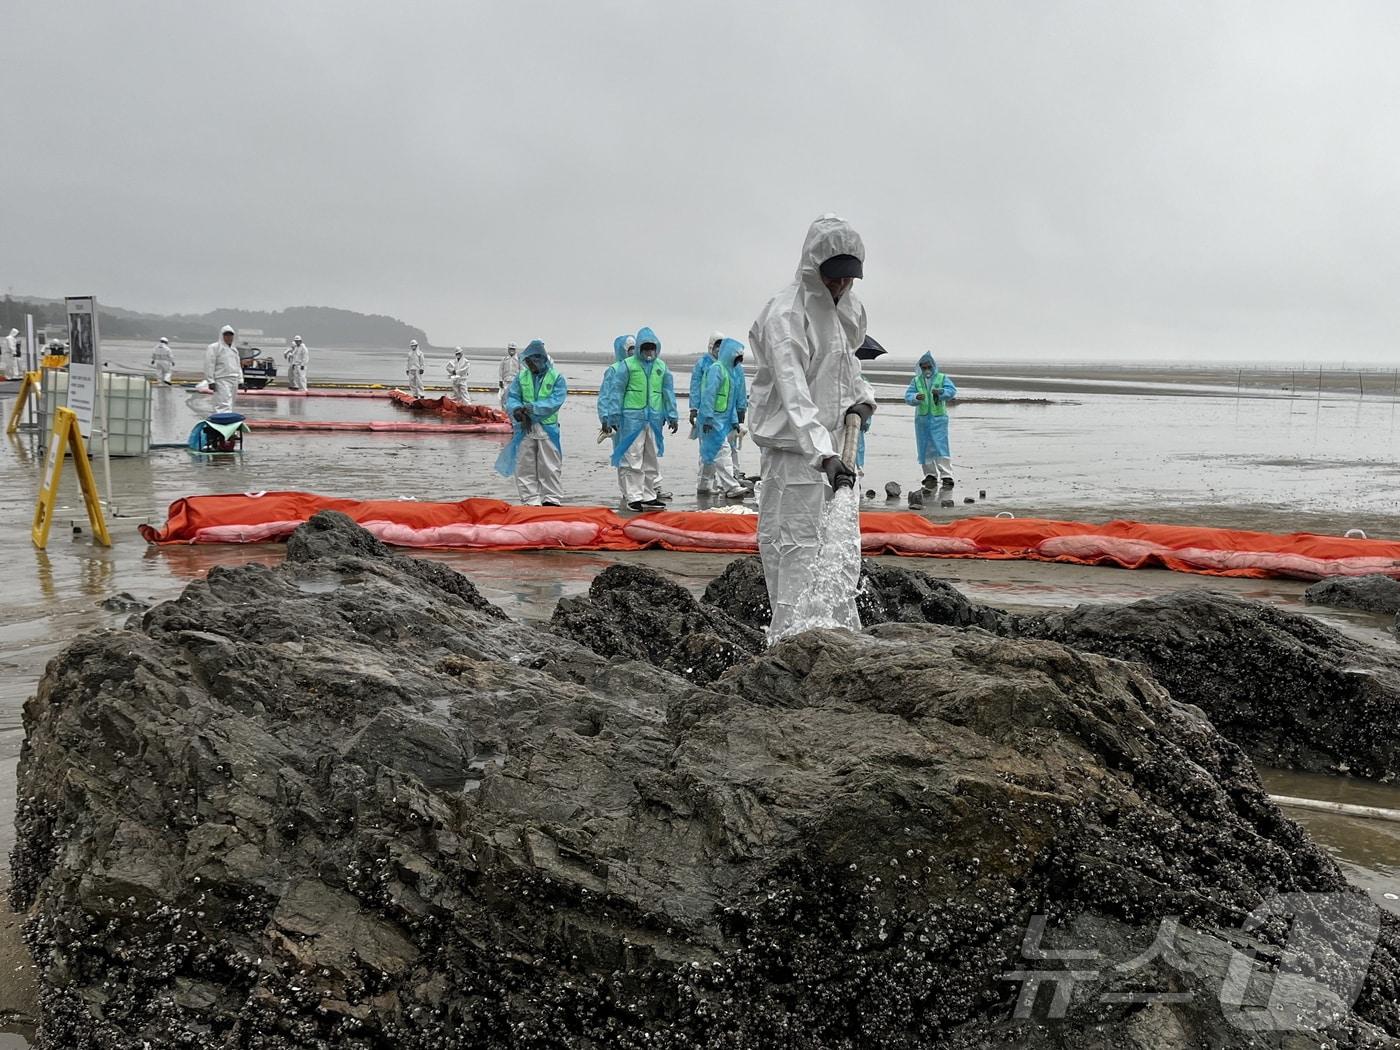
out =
column 14, row 367
column 223, row 371
column 508, row 369
column 457, row 370
column 298, row 357
column 808, row 375
column 163, row 360
column 414, row 371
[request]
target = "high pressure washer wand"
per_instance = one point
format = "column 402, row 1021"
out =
column 850, row 442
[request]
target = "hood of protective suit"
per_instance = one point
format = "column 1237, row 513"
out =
column 728, row 351
column 621, row 345
column 535, row 349
column 827, row 236
column 646, row 335
column 715, row 337
column 927, row 359
column 14, row 332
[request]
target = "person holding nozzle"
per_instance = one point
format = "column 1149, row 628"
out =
column 414, row 369
column 457, row 370
column 637, row 406
column 163, row 361
column 929, row 392
column 223, row 370
column 808, row 390
column 697, row 387
column 535, row 455
column 720, row 406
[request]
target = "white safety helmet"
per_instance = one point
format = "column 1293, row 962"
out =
column 458, row 349
column 413, row 342
column 512, row 346
column 227, row 330
column 164, row 340
column 296, row 338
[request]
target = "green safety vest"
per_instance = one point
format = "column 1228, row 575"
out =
column 722, row 397
column 530, row 395
column 928, row 406
column 643, row 389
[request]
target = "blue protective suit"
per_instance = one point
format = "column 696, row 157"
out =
column 721, row 421
column 543, row 408
column 630, row 422
column 622, row 350
column 930, row 431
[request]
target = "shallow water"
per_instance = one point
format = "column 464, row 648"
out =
column 1283, row 464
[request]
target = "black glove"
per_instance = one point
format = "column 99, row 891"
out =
column 674, row 425
column 693, row 413
column 865, row 410
column 838, row 475
column 742, row 414
column 522, row 415
column 707, row 428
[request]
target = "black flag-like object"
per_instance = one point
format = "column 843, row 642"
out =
column 869, row 350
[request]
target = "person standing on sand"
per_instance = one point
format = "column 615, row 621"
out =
column 163, row 361
column 535, row 456
column 457, row 370
column 414, row 369
column 639, row 404
column 808, row 381
column 298, row 357
column 510, row 368
column 223, row 370
column 13, row 365
column 929, row 392
column 697, row 387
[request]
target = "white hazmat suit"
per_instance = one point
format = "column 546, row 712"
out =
column 298, row 357
column 163, row 361
column 14, row 367
column 509, row 369
column 457, row 370
column 414, row 370
column 223, row 371
column 808, row 375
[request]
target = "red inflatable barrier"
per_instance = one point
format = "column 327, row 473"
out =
column 445, row 406
column 487, row 524
column 320, row 392
column 395, row 426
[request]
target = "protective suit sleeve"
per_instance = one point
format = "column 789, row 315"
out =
column 610, row 398
column 697, row 380
column 668, row 396
column 741, row 390
column 709, row 390
column 949, row 390
column 911, row 395
column 210, row 360
column 547, row 406
column 813, row 439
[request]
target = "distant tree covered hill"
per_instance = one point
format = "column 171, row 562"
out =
column 318, row 325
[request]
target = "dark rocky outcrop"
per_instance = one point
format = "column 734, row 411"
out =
column 1375, row 593
column 347, row 803
column 637, row 614
column 1291, row 691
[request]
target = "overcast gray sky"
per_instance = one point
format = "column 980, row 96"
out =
column 1115, row 179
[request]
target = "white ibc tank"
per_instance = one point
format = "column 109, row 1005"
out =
column 128, row 410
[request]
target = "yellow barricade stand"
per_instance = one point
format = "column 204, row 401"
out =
column 67, row 436
column 27, row 389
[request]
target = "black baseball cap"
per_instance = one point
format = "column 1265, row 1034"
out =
column 839, row 266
